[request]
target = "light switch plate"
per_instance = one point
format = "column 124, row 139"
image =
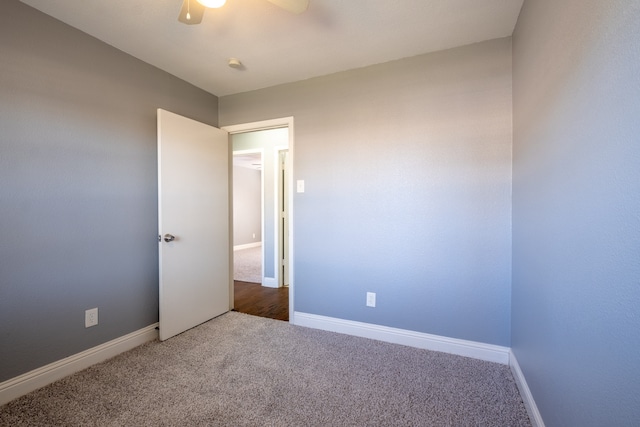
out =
column 371, row 299
column 300, row 185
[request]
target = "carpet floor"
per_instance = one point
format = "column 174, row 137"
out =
column 247, row 265
column 242, row 370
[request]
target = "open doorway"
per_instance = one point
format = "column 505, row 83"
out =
column 264, row 148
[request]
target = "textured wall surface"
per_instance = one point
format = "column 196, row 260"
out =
column 78, row 193
column 576, row 227
column 407, row 167
column 247, row 205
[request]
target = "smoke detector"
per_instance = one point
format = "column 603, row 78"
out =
column 235, row 63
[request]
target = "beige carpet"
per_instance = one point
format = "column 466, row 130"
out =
column 247, row 265
column 241, row 370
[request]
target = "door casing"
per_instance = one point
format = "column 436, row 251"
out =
column 264, row 125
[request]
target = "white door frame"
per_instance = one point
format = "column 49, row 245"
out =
column 273, row 124
column 280, row 214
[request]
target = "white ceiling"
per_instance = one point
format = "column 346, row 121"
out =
column 276, row 46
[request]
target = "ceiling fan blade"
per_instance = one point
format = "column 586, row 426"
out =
column 293, row 6
column 195, row 9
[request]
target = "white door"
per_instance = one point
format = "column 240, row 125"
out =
column 283, row 224
column 193, row 206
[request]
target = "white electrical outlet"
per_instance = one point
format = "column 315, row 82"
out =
column 371, row 299
column 254, row 235
column 91, row 317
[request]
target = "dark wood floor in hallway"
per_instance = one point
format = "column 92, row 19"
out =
column 258, row 300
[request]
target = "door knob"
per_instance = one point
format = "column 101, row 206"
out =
column 169, row 237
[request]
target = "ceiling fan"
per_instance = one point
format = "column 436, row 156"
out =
column 192, row 10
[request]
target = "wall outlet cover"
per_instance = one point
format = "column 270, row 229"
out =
column 91, row 317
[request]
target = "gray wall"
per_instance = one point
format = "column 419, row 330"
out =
column 576, row 229
column 268, row 140
column 247, row 205
column 78, row 193
column 407, row 168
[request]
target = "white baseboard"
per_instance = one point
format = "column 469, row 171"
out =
column 525, row 393
column 269, row 282
column 476, row 350
column 40, row 377
column 247, row 246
